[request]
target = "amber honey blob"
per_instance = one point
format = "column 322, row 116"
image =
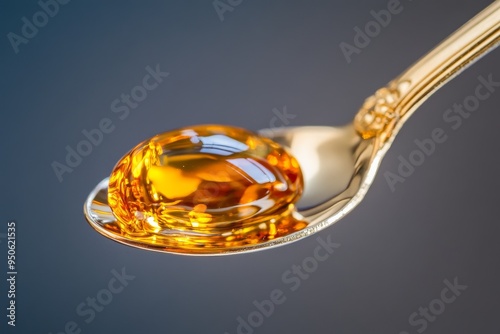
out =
column 206, row 186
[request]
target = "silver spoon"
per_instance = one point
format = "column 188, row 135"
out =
column 340, row 163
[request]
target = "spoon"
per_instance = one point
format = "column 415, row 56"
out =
column 339, row 163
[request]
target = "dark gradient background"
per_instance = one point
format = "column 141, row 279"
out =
column 396, row 249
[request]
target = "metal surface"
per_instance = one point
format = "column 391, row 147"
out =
column 338, row 169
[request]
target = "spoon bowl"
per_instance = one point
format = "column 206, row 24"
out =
column 338, row 168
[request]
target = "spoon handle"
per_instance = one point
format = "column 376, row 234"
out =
column 385, row 112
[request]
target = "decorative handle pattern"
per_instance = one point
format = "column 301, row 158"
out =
column 386, row 111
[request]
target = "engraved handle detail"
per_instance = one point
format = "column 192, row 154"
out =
column 378, row 115
column 383, row 113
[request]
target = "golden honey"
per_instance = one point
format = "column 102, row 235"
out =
column 206, row 187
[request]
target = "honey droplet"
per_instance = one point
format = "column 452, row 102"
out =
column 206, row 187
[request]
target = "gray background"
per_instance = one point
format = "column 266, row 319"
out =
column 396, row 247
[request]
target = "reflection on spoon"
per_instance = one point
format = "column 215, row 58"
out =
column 338, row 165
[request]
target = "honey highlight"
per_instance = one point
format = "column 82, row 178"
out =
column 206, row 187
